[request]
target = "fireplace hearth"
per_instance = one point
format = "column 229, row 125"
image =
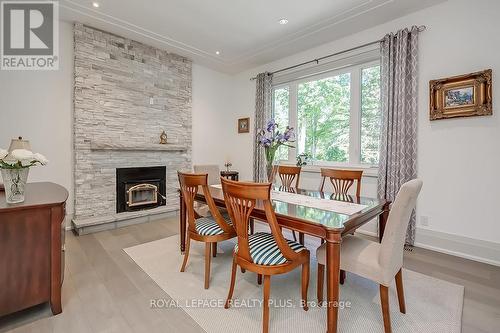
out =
column 140, row 188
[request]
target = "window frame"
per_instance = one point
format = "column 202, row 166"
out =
column 354, row 160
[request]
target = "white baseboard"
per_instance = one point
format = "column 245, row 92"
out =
column 67, row 222
column 469, row 248
column 455, row 245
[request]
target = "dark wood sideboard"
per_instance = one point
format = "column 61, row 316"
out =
column 32, row 248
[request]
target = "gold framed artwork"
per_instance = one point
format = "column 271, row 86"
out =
column 244, row 125
column 461, row 96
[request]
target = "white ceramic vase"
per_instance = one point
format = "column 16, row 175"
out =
column 15, row 184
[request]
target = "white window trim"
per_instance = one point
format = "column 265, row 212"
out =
column 354, row 160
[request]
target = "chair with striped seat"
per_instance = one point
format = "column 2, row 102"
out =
column 263, row 253
column 209, row 230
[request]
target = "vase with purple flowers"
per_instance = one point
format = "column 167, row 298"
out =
column 271, row 138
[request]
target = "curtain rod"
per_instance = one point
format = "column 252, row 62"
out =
column 317, row 60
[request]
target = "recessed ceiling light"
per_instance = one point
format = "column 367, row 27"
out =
column 217, row 52
column 283, row 21
column 95, row 4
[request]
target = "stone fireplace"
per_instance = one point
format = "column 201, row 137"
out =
column 126, row 94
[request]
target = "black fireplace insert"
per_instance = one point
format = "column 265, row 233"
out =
column 140, row 188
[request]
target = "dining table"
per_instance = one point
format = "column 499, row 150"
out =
column 303, row 217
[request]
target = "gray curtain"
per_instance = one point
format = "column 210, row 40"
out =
column 263, row 112
column 398, row 150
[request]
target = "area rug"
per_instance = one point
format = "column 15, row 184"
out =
column 432, row 305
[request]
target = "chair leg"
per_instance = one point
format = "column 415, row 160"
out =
column 252, row 226
column 231, row 286
column 294, row 236
column 214, row 249
column 384, row 300
column 259, row 279
column 186, row 254
column 342, row 276
column 208, row 247
column 305, row 284
column 401, row 293
column 301, row 238
column 321, row 279
column 265, row 316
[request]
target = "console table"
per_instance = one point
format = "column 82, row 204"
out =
column 31, row 248
column 233, row 175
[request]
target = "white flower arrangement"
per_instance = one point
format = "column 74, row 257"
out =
column 20, row 159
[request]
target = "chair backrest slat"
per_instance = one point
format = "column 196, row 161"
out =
column 341, row 180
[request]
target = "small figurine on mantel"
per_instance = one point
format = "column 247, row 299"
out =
column 163, row 138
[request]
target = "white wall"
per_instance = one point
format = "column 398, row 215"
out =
column 459, row 158
column 212, row 127
column 38, row 106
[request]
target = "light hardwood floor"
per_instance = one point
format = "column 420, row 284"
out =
column 105, row 291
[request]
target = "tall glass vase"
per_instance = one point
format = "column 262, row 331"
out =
column 15, row 183
column 270, row 167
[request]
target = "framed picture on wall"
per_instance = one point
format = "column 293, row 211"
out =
column 244, row 125
column 461, row 96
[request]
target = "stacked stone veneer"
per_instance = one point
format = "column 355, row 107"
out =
column 115, row 79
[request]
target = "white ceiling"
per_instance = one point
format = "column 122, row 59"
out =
column 246, row 32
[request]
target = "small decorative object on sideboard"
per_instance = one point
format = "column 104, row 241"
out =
column 243, row 125
column 228, row 165
column 15, row 164
column 163, row 138
column 461, row 96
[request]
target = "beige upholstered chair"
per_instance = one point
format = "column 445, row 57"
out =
column 213, row 172
column 380, row 262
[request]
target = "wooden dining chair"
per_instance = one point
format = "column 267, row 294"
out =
column 287, row 175
column 209, row 230
column 263, row 253
column 379, row 262
column 341, row 180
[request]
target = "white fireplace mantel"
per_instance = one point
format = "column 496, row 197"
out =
column 136, row 147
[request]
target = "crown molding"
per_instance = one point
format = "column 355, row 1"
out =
column 89, row 16
column 130, row 27
column 310, row 30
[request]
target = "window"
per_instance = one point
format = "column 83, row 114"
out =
column 336, row 115
column 281, row 100
column 323, row 118
column 370, row 114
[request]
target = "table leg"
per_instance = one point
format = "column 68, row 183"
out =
column 382, row 221
column 333, row 242
column 182, row 223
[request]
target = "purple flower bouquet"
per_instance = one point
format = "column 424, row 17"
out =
column 271, row 139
